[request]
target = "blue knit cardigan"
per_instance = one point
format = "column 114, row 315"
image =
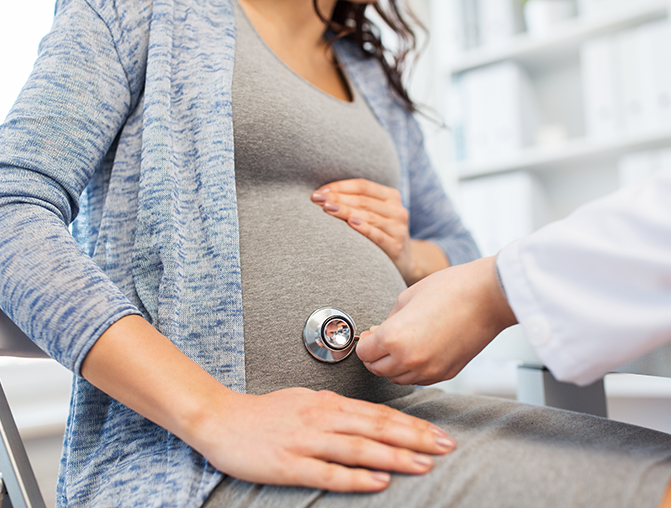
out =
column 125, row 124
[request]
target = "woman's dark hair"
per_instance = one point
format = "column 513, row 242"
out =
column 349, row 21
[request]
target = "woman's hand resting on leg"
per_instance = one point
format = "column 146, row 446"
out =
column 376, row 211
column 298, row 436
column 289, row 437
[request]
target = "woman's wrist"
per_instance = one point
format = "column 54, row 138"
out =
column 426, row 258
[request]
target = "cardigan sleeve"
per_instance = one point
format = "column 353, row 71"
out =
column 432, row 216
column 56, row 135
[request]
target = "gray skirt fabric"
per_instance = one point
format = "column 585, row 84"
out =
column 508, row 455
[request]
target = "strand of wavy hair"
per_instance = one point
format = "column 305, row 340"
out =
column 349, row 21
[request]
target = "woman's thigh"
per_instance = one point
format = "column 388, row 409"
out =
column 508, row 454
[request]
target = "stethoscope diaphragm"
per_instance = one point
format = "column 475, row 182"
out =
column 330, row 334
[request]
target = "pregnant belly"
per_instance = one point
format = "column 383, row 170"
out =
column 295, row 259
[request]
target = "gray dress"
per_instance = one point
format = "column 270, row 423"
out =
column 291, row 138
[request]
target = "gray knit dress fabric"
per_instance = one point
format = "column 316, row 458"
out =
column 508, row 454
column 290, row 139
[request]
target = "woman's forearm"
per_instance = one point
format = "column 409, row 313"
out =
column 138, row 366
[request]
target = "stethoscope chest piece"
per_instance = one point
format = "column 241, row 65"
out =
column 330, row 334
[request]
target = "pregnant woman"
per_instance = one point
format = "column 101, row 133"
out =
column 231, row 171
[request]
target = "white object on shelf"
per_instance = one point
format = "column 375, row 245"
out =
column 498, row 20
column 542, row 16
column 503, row 208
column 469, row 14
column 627, row 81
column 498, row 114
column 446, row 31
column 601, row 93
column 661, row 48
column 600, row 8
column 564, row 41
column 636, row 75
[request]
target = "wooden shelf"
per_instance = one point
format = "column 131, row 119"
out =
column 572, row 152
column 564, row 42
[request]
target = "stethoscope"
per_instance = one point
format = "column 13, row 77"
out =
column 330, row 335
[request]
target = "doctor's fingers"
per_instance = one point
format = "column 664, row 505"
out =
column 370, row 347
column 400, row 373
column 388, row 366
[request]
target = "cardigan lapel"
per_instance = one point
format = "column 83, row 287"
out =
column 186, row 256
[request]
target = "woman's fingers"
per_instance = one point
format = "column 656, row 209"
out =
column 361, row 186
column 388, row 209
column 384, row 424
column 318, row 474
column 391, row 221
column 357, row 451
column 377, row 212
column 393, row 437
column 380, row 412
column 389, row 244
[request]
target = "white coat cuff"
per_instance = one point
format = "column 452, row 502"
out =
column 538, row 327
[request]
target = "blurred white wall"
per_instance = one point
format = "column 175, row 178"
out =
column 22, row 24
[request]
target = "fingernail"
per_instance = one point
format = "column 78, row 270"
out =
column 331, row 207
column 373, row 328
column 423, row 461
column 445, row 443
column 355, row 221
column 380, row 477
column 318, row 197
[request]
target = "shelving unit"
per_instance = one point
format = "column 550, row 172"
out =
column 535, row 53
column 553, row 64
column 573, row 152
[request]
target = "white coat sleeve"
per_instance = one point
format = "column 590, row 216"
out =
column 593, row 291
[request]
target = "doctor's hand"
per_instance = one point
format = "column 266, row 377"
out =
column 438, row 325
column 376, row 211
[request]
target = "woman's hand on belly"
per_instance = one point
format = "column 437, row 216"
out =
column 376, row 211
column 320, row 439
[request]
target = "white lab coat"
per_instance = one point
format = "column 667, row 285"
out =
column 593, row 291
